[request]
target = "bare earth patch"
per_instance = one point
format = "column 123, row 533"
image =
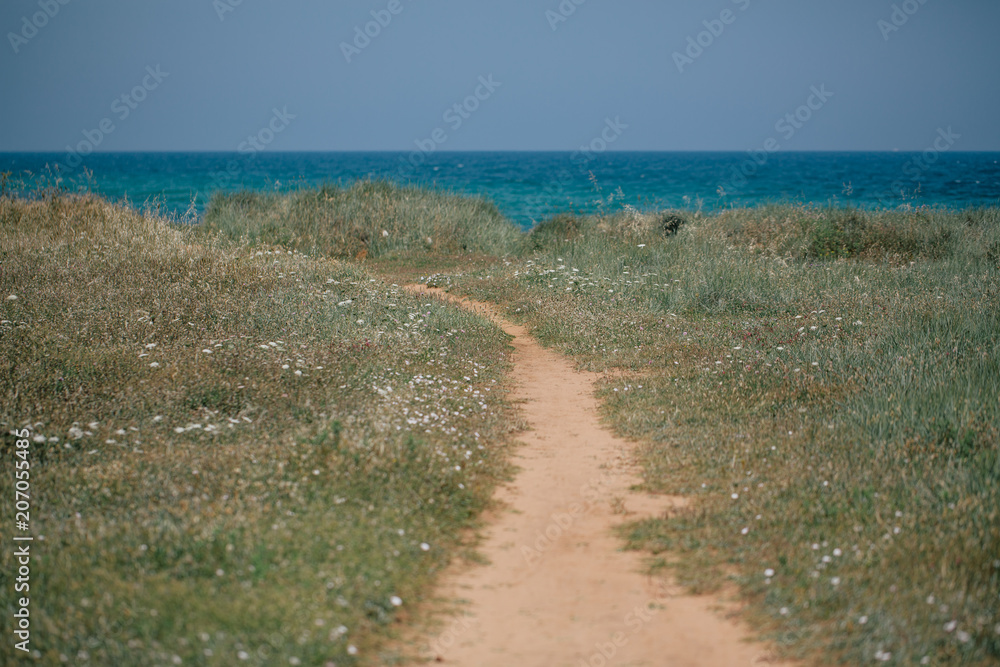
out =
column 558, row 589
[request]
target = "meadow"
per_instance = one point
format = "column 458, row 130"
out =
column 249, row 433
column 240, row 454
column 822, row 383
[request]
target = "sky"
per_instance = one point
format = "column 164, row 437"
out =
column 211, row 75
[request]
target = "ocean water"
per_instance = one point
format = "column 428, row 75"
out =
column 528, row 187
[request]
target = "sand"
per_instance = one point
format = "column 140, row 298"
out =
column 557, row 588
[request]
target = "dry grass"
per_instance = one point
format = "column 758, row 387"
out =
column 369, row 219
column 240, row 454
column 824, row 384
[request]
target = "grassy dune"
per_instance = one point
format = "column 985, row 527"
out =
column 370, row 219
column 241, row 454
column 824, row 384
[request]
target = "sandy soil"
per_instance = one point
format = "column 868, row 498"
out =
column 557, row 590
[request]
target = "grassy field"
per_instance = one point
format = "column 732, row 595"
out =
column 822, row 383
column 240, row 454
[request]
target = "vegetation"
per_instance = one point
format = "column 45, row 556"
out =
column 822, row 383
column 368, row 219
column 240, row 454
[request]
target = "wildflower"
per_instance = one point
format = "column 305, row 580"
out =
column 863, row 620
column 963, row 636
column 12, row 297
column 396, row 600
column 352, row 649
column 950, row 626
column 150, row 346
column 768, row 572
column 783, row 611
column 426, row 547
column 835, row 581
column 155, row 364
column 735, row 496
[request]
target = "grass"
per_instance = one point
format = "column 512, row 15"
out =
column 823, row 383
column 241, row 454
column 369, row 219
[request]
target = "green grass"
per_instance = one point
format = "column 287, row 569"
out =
column 823, row 383
column 240, row 453
column 367, row 219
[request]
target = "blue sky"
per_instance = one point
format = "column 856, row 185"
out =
column 892, row 73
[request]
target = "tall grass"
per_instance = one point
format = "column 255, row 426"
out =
column 823, row 383
column 241, row 454
column 367, row 219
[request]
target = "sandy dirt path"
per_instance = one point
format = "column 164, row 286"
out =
column 557, row 589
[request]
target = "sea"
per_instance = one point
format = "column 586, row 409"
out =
column 531, row 186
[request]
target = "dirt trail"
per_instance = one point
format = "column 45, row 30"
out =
column 557, row 589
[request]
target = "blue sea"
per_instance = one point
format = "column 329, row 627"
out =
column 530, row 186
